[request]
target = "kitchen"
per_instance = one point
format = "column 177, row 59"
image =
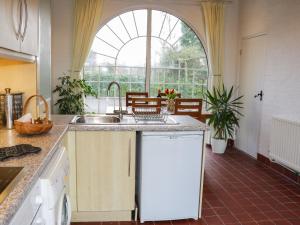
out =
column 122, row 157
column 86, row 168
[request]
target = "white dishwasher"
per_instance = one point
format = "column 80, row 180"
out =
column 169, row 174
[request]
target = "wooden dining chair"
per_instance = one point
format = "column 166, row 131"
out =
column 147, row 105
column 130, row 95
column 189, row 106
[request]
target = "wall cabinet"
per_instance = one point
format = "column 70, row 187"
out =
column 9, row 22
column 29, row 28
column 105, row 175
column 19, row 25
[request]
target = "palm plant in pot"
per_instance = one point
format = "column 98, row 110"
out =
column 224, row 118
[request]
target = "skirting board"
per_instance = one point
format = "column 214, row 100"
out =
column 101, row 216
column 279, row 168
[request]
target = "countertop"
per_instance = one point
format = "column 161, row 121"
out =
column 34, row 164
column 184, row 123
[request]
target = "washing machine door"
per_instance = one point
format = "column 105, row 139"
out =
column 64, row 210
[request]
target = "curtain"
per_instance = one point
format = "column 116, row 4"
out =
column 213, row 12
column 87, row 16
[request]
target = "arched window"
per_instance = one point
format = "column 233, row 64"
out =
column 147, row 50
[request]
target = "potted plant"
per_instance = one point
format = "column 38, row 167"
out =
column 224, row 116
column 170, row 95
column 71, row 94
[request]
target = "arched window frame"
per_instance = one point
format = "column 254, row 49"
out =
column 149, row 36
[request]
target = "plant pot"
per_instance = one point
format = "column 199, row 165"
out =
column 218, row 145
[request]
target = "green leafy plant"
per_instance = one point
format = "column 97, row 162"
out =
column 71, row 93
column 225, row 111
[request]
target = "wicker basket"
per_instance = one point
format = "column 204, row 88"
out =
column 29, row 128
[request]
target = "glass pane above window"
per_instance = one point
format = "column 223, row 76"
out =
column 130, row 23
column 141, row 21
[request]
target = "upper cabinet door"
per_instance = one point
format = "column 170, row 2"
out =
column 10, row 22
column 29, row 27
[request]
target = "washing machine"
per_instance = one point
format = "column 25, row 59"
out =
column 56, row 208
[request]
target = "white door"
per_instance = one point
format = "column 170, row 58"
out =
column 253, row 57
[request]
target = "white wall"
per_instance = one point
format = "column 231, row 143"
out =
column 279, row 19
column 62, row 32
column 188, row 10
column 231, row 43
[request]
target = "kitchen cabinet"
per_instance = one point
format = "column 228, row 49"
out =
column 29, row 27
column 105, row 175
column 9, row 21
column 19, row 25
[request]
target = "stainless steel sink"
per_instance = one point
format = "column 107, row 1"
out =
column 95, row 119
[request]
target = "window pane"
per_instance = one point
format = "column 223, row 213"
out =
column 168, row 26
column 133, row 53
column 95, row 59
column 109, row 37
column 181, row 65
column 141, row 21
column 119, row 29
column 129, row 22
column 103, row 48
column 158, row 18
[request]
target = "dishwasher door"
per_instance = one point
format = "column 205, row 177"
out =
column 169, row 175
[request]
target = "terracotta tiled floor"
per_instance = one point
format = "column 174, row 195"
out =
column 240, row 190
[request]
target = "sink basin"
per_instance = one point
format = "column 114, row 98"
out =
column 95, row 119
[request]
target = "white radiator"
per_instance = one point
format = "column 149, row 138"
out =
column 285, row 141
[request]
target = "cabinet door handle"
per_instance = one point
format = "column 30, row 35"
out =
column 20, row 7
column 129, row 158
column 26, row 21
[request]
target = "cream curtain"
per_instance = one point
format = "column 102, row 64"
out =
column 87, row 16
column 214, row 30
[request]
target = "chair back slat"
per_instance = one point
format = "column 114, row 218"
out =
column 146, row 103
column 130, row 95
column 188, row 106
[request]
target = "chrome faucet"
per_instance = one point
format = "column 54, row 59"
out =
column 119, row 90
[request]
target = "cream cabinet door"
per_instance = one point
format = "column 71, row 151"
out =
column 29, row 27
column 105, row 170
column 9, row 24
